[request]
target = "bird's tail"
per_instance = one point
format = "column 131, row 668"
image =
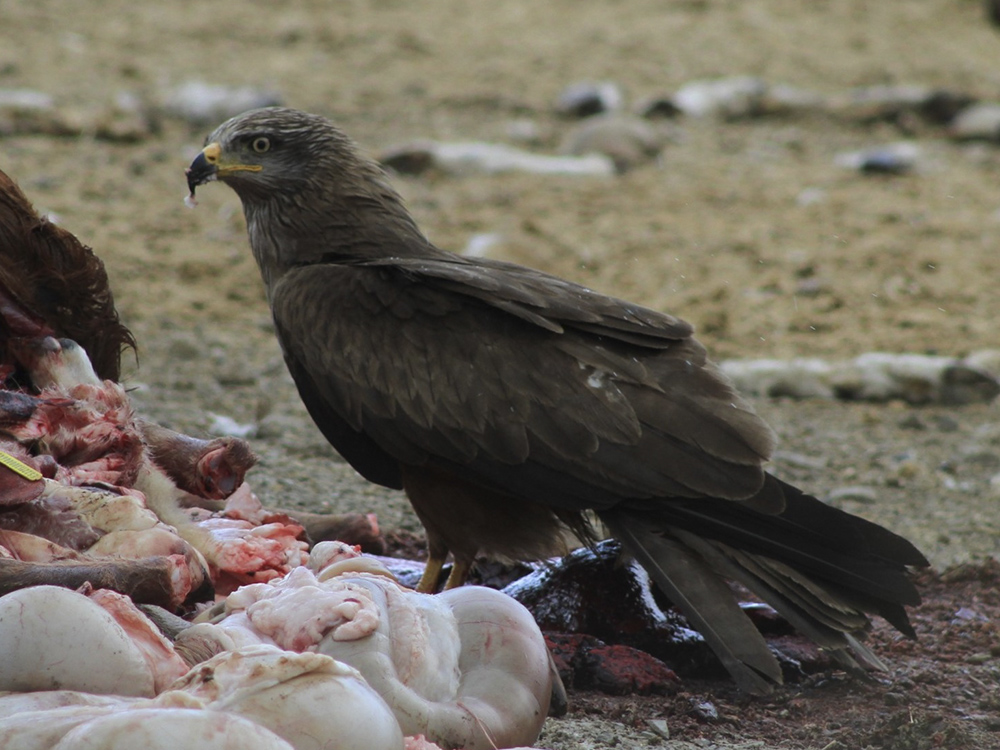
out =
column 822, row 569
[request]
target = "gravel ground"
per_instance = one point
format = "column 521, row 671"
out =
column 748, row 228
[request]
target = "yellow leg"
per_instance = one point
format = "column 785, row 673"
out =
column 459, row 572
column 432, row 572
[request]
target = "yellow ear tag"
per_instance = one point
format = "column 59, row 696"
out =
column 19, row 467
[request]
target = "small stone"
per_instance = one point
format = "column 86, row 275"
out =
column 201, row 103
column 479, row 245
column 962, row 384
column 800, row 460
column 892, row 159
column 224, row 426
column 627, row 140
column 656, row 108
column 659, row 727
column 856, row 493
column 964, row 614
column 588, row 98
column 472, row 157
column 705, row 711
column 734, row 97
column 980, row 122
column 894, row 699
column 984, row 360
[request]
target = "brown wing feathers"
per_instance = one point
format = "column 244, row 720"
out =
column 498, row 387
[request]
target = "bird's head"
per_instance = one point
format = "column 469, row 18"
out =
column 273, row 151
column 306, row 190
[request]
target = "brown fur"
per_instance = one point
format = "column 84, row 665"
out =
column 52, row 284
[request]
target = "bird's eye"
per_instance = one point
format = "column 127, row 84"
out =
column 261, row 145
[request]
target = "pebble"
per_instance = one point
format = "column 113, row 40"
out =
column 875, row 376
column 659, row 727
column 479, row 245
column 895, row 158
column 627, row 140
column 985, row 360
column 25, row 99
column 890, row 102
column 739, row 97
column 475, row 157
column 858, row 493
column 224, row 426
column 733, row 97
column 656, row 108
column 705, row 711
column 588, row 98
column 965, row 614
column 201, row 103
column 800, row 460
column 979, row 122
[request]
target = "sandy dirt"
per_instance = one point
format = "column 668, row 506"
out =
column 718, row 231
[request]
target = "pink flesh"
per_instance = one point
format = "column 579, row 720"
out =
column 165, row 664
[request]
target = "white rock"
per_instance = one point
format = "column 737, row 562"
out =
column 25, row 99
column 977, row 122
column 626, row 139
column 474, row 157
column 202, row 103
column 876, row 376
column 479, row 245
column 893, row 158
column 588, row 98
column 224, row 426
column 727, row 97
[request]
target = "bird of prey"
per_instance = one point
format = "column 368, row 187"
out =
column 511, row 406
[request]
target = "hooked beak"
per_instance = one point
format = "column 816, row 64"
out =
column 210, row 165
column 204, row 168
